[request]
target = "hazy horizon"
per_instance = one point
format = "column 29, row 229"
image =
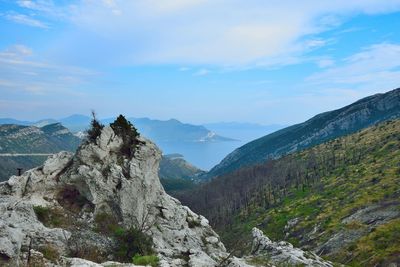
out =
column 198, row 61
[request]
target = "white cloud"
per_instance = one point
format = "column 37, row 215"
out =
column 113, row 6
column 218, row 32
column 26, row 20
column 193, row 32
column 326, row 62
column 201, row 72
column 375, row 66
column 40, row 5
column 184, row 69
column 47, row 8
column 22, row 71
column 16, row 51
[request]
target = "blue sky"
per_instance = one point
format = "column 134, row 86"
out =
column 197, row 61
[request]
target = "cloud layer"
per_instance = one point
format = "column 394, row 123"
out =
column 376, row 66
column 217, row 32
column 22, row 72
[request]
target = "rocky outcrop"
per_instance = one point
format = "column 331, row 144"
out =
column 366, row 220
column 283, row 252
column 75, row 190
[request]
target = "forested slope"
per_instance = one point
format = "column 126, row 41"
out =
column 340, row 198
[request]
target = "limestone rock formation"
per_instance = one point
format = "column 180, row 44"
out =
column 52, row 214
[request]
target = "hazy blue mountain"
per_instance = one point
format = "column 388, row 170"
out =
column 157, row 130
column 199, row 145
column 241, row 130
column 14, row 121
column 323, row 127
column 76, row 122
column 173, row 130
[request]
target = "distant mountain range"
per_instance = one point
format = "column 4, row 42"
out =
column 157, row 130
column 173, row 130
column 199, row 145
column 323, row 127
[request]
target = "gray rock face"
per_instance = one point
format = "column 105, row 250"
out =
column 368, row 218
column 132, row 191
column 283, row 252
column 127, row 189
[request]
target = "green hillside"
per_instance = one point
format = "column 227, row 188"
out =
column 340, row 199
column 321, row 128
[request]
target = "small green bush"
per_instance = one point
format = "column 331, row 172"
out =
column 132, row 242
column 105, row 223
column 86, row 251
column 41, row 212
column 50, row 252
column 192, row 223
column 51, row 217
column 129, row 243
column 151, row 260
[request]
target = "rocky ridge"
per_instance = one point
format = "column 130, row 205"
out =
column 104, row 183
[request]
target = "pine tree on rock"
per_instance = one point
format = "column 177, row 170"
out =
column 129, row 134
column 95, row 129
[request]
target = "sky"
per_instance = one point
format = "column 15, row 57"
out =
column 199, row 61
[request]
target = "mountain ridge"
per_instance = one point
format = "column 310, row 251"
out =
column 320, row 128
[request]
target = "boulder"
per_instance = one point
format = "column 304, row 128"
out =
column 283, row 253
